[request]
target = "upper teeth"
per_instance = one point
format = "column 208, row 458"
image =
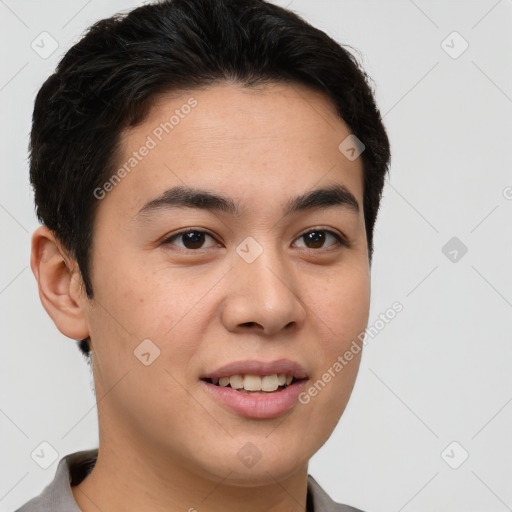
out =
column 255, row 382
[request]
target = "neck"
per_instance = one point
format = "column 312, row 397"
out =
column 128, row 480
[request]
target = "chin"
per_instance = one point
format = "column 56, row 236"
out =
column 262, row 474
column 253, row 462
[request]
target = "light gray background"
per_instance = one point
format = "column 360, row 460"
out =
column 439, row 372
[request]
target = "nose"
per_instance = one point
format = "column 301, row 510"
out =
column 261, row 297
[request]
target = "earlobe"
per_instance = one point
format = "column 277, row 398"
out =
column 58, row 282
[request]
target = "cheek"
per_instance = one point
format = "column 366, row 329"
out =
column 139, row 299
column 169, row 307
column 342, row 307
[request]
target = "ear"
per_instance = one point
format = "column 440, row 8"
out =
column 59, row 283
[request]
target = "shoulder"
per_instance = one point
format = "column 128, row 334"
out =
column 57, row 495
column 321, row 501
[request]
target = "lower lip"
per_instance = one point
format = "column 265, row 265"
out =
column 270, row 405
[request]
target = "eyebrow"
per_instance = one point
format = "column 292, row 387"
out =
column 183, row 196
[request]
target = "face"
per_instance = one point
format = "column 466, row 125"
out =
column 245, row 280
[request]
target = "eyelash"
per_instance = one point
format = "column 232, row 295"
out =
column 342, row 241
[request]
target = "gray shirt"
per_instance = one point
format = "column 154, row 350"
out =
column 73, row 468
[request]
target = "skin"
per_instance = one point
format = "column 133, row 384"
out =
column 165, row 444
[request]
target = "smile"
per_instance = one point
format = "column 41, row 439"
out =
column 255, row 383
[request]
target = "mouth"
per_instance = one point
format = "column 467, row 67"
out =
column 256, row 389
column 255, row 384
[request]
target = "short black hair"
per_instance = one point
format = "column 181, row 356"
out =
column 108, row 81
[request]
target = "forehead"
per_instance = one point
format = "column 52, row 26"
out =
column 252, row 143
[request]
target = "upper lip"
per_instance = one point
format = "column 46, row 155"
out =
column 253, row 367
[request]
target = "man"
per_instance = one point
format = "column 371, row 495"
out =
column 208, row 176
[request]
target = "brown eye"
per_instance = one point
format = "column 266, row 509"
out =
column 316, row 238
column 192, row 239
